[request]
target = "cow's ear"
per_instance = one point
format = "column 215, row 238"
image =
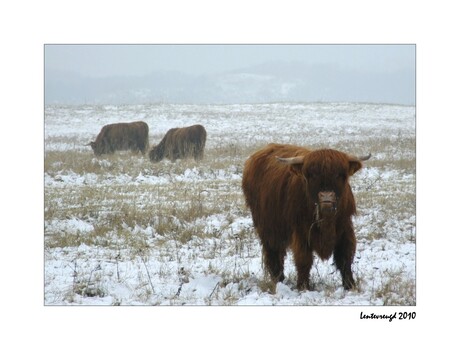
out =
column 353, row 166
column 295, row 164
column 355, row 163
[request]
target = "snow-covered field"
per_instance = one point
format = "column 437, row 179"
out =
column 120, row 230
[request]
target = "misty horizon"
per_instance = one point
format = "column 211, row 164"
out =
column 220, row 74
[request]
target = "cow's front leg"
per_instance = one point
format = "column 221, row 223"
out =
column 343, row 256
column 303, row 258
column 274, row 262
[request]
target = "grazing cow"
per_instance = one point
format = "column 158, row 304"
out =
column 121, row 136
column 180, row 143
column 301, row 199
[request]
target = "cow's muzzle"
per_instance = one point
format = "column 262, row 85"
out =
column 327, row 201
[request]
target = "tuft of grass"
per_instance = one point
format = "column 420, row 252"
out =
column 266, row 284
column 396, row 289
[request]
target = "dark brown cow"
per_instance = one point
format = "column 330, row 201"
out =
column 121, row 136
column 301, row 199
column 180, row 143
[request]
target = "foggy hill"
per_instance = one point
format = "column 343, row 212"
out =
column 271, row 82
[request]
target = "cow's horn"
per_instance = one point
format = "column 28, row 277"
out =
column 291, row 161
column 364, row 157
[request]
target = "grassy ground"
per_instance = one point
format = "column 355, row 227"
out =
column 153, row 228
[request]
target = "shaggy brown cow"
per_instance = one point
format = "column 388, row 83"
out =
column 180, row 143
column 301, row 199
column 121, row 136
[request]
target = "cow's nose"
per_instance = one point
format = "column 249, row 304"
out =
column 326, row 196
column 327, row 201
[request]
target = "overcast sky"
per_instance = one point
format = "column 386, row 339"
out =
column 109, row 60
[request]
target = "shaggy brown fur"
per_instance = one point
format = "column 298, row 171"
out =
column 121, row 136
column 284, row 198
column 180, row 143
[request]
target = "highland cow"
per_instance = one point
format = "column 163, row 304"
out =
column 121, row 136
column 301, row 199
column 180, row 143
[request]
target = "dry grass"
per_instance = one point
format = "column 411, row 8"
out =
column 396, row 289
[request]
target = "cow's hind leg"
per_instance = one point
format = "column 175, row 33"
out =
column 274, row 262
column 141, row 146
column 199, row 153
